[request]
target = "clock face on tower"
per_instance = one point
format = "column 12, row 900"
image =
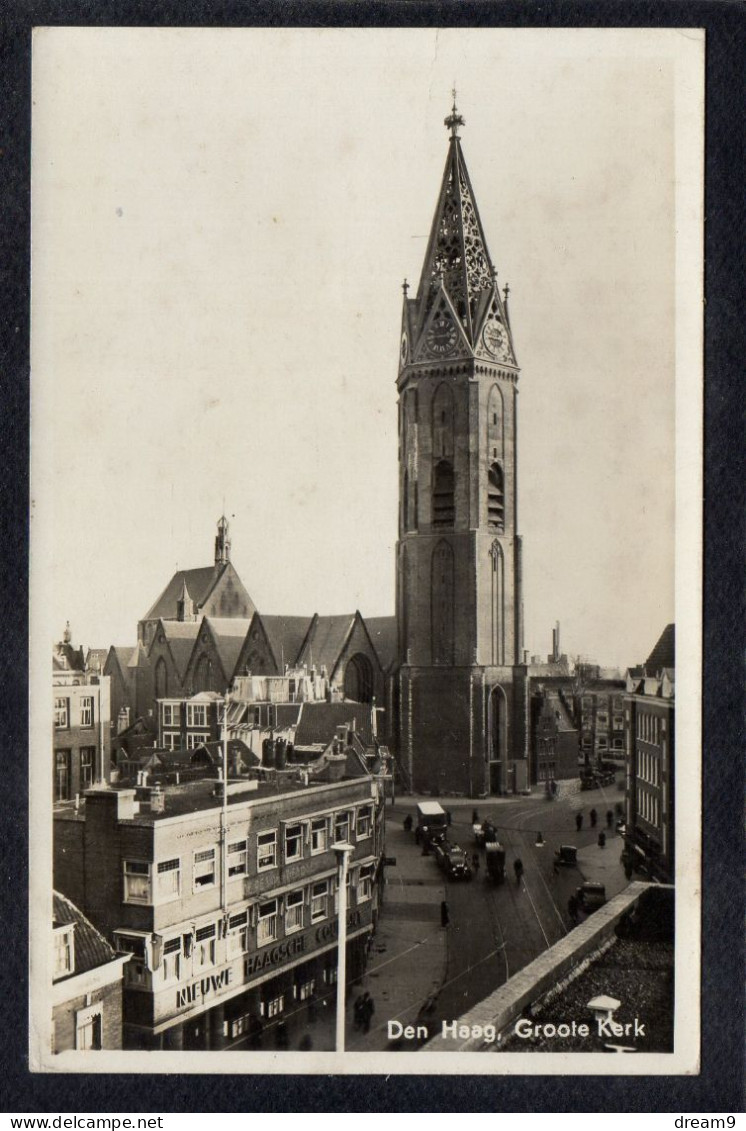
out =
column 442, row 336
column 495, row 338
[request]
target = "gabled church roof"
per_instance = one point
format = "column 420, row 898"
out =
column 199, row 583
column 325, row 640
column 382, row 632
column 180, row 637
column 285, row 636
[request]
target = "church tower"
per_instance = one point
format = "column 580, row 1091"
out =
column 461, row 696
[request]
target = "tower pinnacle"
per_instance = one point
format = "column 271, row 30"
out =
column 454, row 119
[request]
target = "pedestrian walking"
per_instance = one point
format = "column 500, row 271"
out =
column 572, row 908
column 578, row 821
column 602, row 840
column 448, row 817
column 444, row 916
column 609, row 818
column 518, row 869
column 594, row 818
column 408, row 823
column 368, row 1011
column 474, row 817
column 475, row 861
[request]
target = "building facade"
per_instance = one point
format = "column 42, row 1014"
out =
column 81, row 731
column 461, row 697
column 230, row 918
column 649, row 712
column 86, row 993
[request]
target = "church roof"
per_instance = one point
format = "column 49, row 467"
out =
column 91, row 948
column 325, row 641
column 286, row 636
column 228, row 635
column 199, row 583
column 664, row 652
column 382, row 632
column 180, row 637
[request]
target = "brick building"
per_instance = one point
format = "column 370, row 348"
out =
column 649, row 712
column 81, row 733
column 86, row 993
column 229, row 914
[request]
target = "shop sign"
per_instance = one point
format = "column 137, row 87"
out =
column 203, row 987
column 274, row 956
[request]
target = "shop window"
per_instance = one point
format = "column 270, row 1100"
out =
column 204, row 946
column 204, row 868
column 61, row 714
column 64, row 951
column 137, row 887
column 266, row 928
column 86, row 711
column 330, row 975
column 237, row 859
column 238, row 933
column 88, row 1028
column 293, row 842
column 293, row 912
column 169, row 879
column 62, row 775
column 341, row 827
column 87, row 766
column 319, row 835
column 365, row 883
column 319, row 900
column 266, row 851
column 305, row 990
column 364, row 822
column 274, row 1007
column 172, row 960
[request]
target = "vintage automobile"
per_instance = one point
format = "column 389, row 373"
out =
column 495, row 858
column 591, row 896
column 453, row 860
column 566, row 854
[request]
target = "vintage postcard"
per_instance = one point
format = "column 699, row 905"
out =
column 366, row 550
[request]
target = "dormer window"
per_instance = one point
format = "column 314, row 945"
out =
column 64, row 950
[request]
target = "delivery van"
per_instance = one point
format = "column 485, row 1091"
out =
column 432, row 820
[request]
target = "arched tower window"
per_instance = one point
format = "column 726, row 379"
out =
column 409, row 460
column 203, row 674
column 161, row 679
column 496, row 497
column 442, row 604
column 358, row 681
column 497, row 603
column 443, row 423
column 443, row 494
column 495, row 424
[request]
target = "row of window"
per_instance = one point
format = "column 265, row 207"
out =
column 647, row 806
column 196, row 714
column 63, row 771
column 171, row 740
column 649, row 727
column 63, row 713
column 189, row 953
column 648, row 767
column 148, row 883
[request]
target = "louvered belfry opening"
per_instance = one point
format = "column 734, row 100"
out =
column 443, row 494
column 495, row 498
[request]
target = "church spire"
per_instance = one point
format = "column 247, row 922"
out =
column 222, row 542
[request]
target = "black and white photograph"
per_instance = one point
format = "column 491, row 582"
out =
column 366, row 480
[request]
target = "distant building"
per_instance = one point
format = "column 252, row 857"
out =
column 554, row 734
column 86, row 993
column 81, row 732
column 598, row 697
column 650, row 706
column 228, row 928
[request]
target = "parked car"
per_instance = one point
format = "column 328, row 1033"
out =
column 566, row 854
column 591, row 896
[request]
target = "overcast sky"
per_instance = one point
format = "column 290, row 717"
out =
column 222, row 221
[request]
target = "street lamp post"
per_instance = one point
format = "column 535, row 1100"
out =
column 343, row 851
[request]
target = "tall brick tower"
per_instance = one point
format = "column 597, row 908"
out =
column 462, row 706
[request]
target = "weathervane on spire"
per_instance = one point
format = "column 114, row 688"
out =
column 454, row 119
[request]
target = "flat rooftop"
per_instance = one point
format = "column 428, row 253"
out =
column 198, row 795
